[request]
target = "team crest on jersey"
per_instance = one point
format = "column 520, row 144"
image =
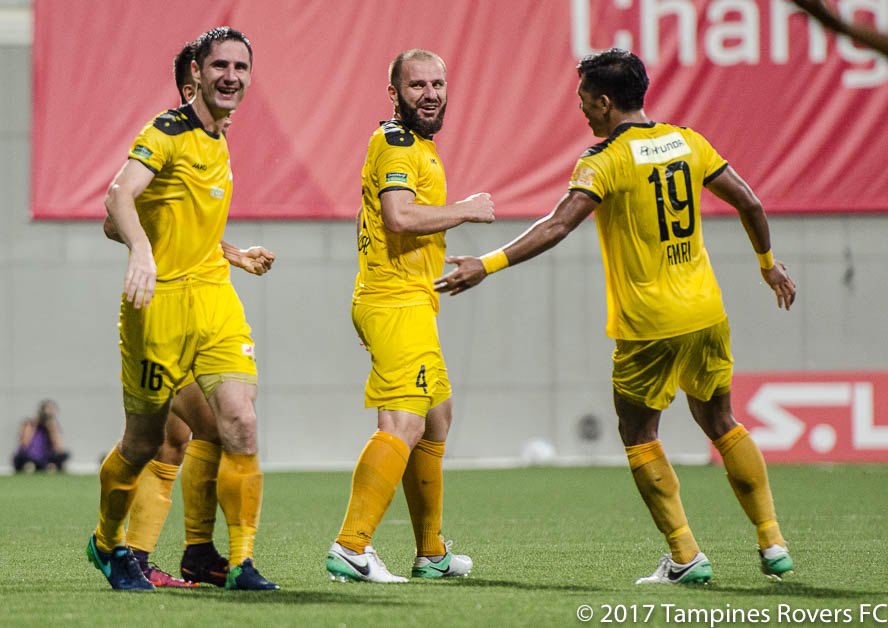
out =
column 657, row 150
column 583, row 176
column 249, row 350
column 142, row 151
column 396, row 177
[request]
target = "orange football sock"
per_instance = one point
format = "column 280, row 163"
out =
column 239, row 490
column 151, row 505
column 118, row 478
column 377, row 473
column 748, row 476
column 423, row 483
column 199, row 472
column 659, row 488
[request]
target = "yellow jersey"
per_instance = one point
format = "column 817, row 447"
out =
column 185, row 207
column 647, row 180
column 398, row 269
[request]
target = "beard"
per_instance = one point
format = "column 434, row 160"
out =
column 422, row 127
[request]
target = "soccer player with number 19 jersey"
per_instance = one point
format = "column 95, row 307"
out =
column 664, row 305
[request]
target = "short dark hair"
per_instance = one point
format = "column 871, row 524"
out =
column 409, row 55
column 182, row 68
column 617, row 73
column 204, row 43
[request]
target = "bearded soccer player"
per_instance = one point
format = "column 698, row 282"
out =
column 403, row 217
column 180, row 313
column 664, row 306
column 189, row 414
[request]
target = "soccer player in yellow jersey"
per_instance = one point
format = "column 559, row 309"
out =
column 180, row 313
column 189, row 413
column 664, row 306
column 403, row 217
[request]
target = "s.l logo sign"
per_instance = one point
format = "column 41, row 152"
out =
column 815, row 417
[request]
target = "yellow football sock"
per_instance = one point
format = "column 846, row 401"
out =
column 746, row 471
column 423, row 483
column 118, row 478
column 659, row 488
column 239, row 491
column 151, row 505
column 377, row 473
column 199, row 471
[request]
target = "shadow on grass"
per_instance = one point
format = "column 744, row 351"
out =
column 797, row 589
column 289, row 597
column 522, row 586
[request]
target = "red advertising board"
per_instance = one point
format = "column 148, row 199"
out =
column 814, row 416
column 797, row 112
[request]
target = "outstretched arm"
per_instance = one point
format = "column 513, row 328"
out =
column 732, row 189
column 573, row 208
column 861, row 33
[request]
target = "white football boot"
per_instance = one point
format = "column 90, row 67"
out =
column 697, row 571
column 343, row 565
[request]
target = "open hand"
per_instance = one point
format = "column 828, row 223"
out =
column 469, row 272
column 781, row 283
column 140, row 277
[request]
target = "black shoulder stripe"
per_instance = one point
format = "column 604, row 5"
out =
column 396, row 134
column 177, row 121
column 597, row 148
column 600, row 146
column 708, row 179
column 594, row 150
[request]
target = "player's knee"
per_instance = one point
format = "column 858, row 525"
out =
column 139, row 451
column 243, row 420
column 172, row 452
column 237, row 430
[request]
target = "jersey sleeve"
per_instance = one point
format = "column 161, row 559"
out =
column 153, row 148
column 396, row 169
column 593, row 175
column 713, row 163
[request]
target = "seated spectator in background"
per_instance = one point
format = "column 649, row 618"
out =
column 40, row 441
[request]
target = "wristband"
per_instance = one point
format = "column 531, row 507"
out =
column 766, row 260
column 494, row 261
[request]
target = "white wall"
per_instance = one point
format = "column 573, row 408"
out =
column 526, row 351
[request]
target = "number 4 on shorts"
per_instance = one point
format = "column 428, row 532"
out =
column 421, row 379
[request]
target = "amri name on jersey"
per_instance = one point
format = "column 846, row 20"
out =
column 678, row 252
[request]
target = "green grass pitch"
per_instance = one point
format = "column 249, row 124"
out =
column 544, row 540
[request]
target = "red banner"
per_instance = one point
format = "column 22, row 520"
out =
column 796, row 111
column 814, row 417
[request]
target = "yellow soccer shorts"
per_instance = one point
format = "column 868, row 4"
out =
column 407, row 366
column 189, row 379
column 189, row 326
column 649, row 372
